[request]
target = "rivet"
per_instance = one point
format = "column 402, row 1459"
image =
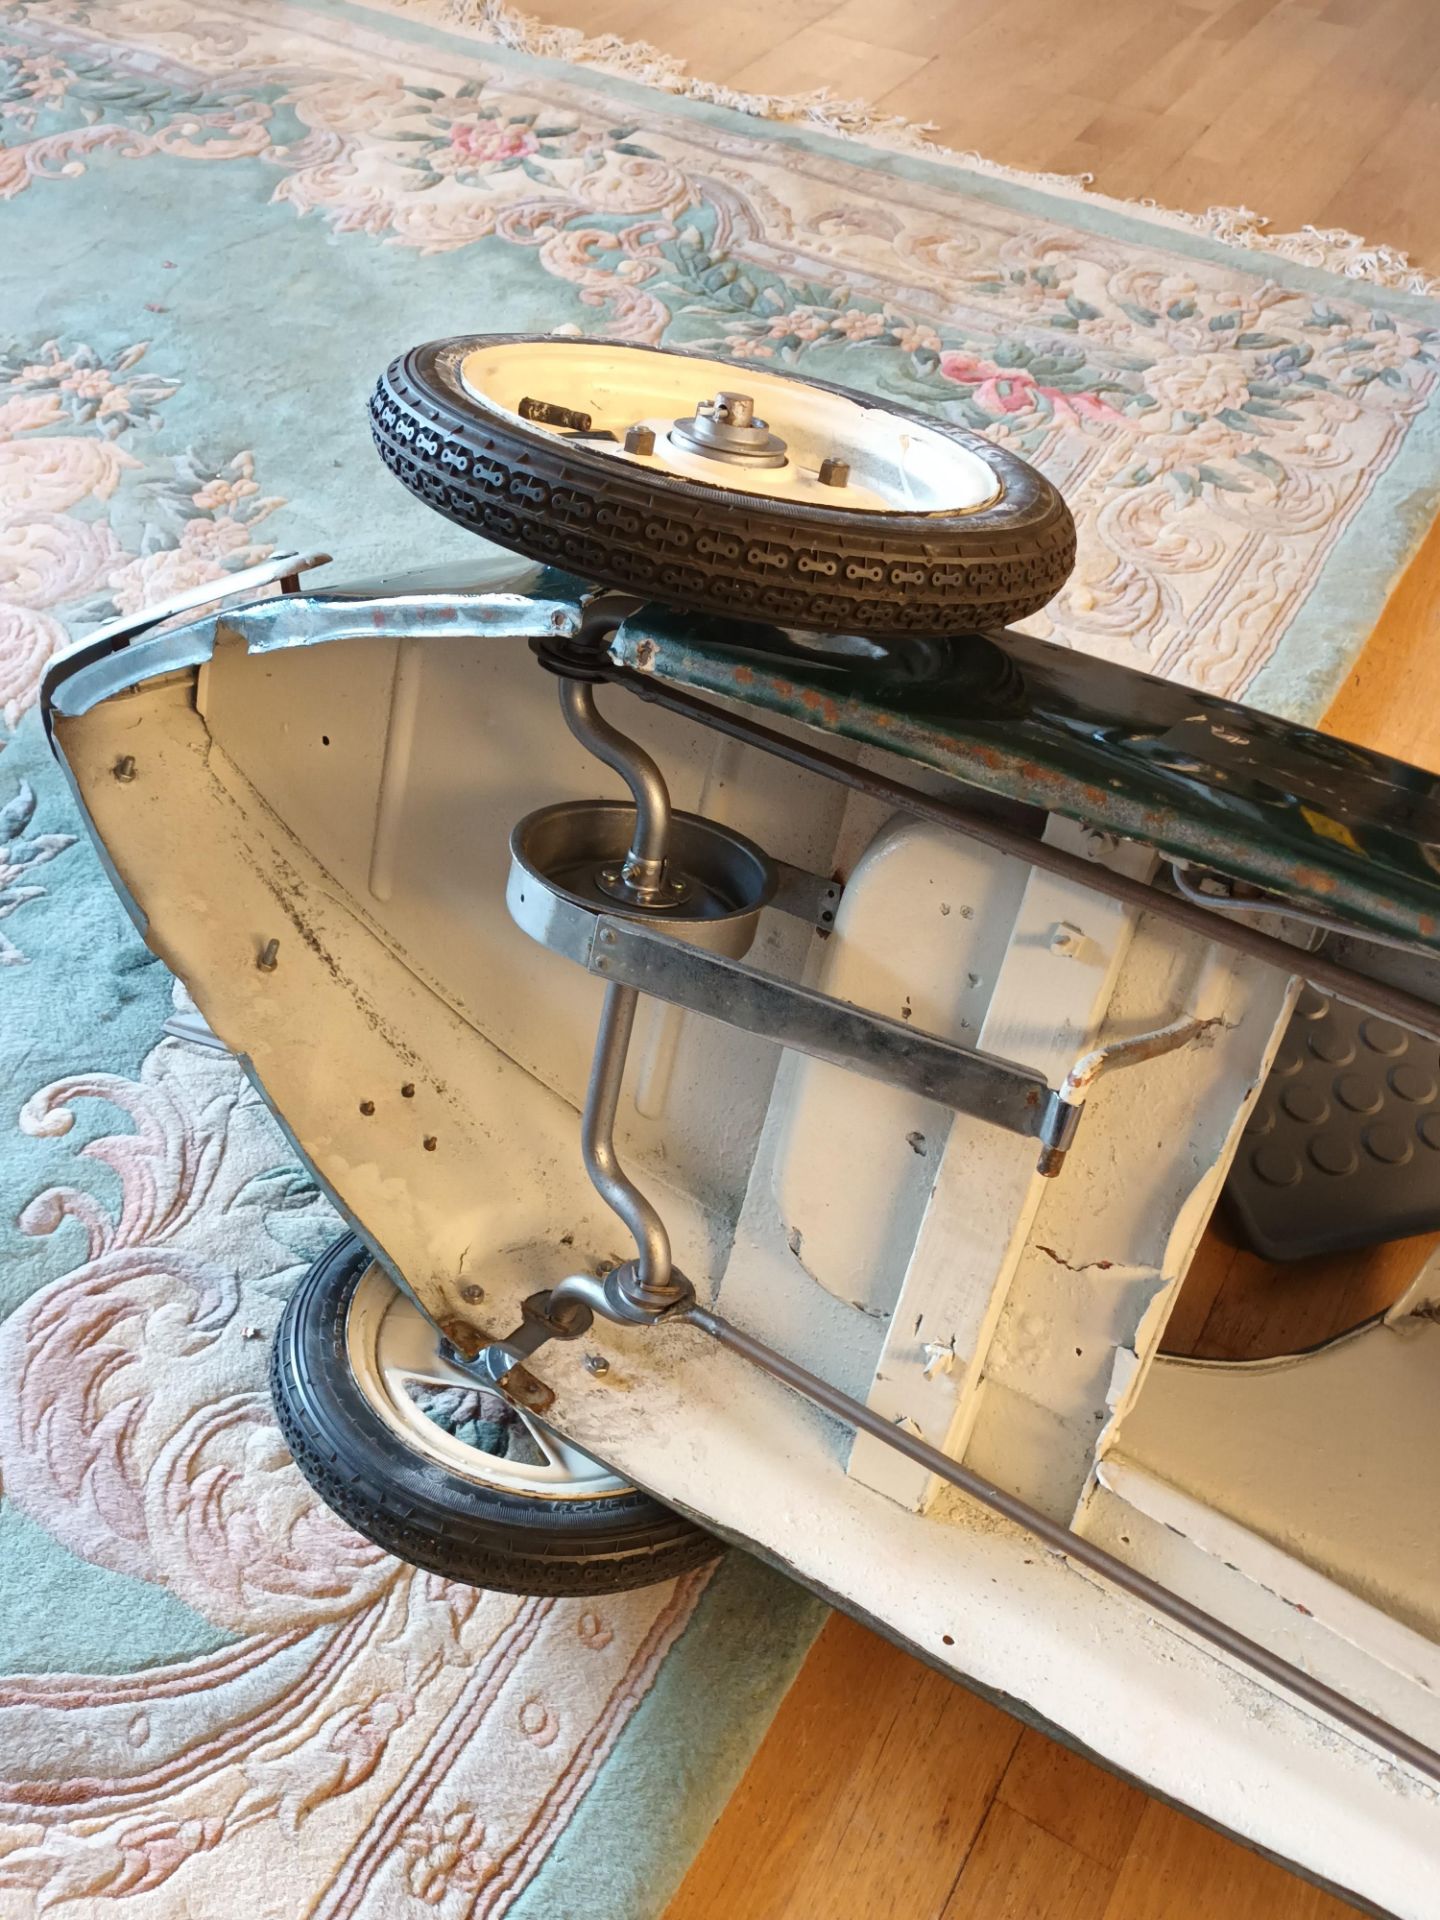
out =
column 269, row 956
column 607, row 936
column 430, row 1143
column 124, row 769
column 367, row 1107
column 407, row 1092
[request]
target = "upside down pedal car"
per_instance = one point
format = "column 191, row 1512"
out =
column 797, row 1131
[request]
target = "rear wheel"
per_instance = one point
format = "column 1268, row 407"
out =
column 442, row 1472
column 797, row 502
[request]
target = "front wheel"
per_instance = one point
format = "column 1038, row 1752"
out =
column 441, row 1471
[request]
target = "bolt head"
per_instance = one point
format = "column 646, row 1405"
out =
column 596, row 1363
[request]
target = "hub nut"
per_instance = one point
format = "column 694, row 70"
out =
column 728, row 428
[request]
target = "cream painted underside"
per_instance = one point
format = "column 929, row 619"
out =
column 1015, row 1321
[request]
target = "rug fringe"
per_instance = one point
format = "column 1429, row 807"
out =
column 1333, row 249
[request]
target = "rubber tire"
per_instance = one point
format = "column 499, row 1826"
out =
column 826, row 569
column 415, row 1508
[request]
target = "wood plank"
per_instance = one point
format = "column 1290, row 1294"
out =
column 1178, row 1870
column 817, row 56
column 1236, row 1305
column 864, row 1798
column 1018, row 1871
column 1081, row 1804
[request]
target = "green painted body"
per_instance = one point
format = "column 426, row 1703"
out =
column 1331, row 826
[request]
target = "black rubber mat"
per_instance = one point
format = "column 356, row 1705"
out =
column 1343, row 1148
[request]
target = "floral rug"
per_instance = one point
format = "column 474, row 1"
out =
column 218, row 220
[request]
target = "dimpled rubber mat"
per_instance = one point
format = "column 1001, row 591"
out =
column 1343, row 1148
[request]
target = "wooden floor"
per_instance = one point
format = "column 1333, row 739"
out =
column 1323, row 111
column 885, row 1792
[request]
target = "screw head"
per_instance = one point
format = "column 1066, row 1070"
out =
column 472, row 1294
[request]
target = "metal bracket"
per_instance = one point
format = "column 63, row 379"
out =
column 980, row 1084
column 805, row 895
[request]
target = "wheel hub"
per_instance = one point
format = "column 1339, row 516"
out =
column 727, row 428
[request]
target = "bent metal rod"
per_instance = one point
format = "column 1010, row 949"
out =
column 648, row 1289
column 567, row 1314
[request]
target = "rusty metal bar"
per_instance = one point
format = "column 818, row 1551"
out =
column 1377, row 996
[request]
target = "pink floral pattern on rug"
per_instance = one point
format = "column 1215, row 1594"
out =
column 362, row 1706
column 89, row 528
column 1214, row 430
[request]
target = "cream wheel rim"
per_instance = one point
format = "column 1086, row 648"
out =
column 892, row 463
column 391, row 1345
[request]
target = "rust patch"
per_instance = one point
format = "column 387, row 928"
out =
column 814, row 701
column 466, row 1339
